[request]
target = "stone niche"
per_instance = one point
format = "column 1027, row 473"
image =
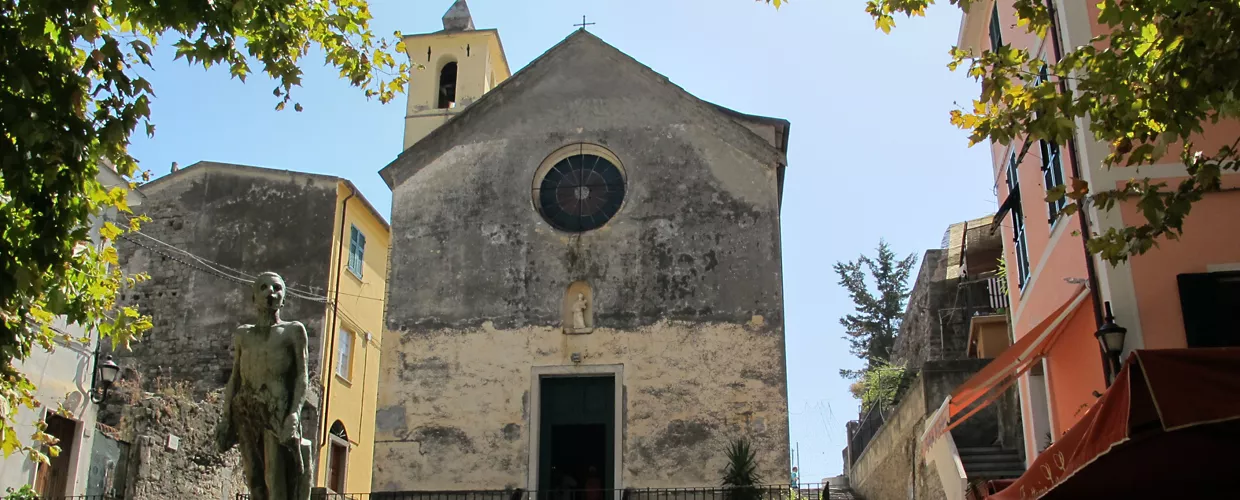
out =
column 577, row 309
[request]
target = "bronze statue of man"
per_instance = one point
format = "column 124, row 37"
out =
column 263, row 399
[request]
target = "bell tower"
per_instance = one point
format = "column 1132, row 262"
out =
column 459, row 65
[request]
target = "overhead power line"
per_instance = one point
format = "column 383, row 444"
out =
column 229, row 273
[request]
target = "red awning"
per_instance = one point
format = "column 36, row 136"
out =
column 1169, row 427
column 991, row 381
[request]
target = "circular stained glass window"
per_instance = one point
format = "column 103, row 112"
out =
column 580, row 192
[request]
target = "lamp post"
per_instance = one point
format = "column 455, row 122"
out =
column 1111, row 337
column 104, row 376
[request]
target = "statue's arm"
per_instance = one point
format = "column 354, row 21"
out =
column 225, row 433
column 301, row 377
column 234, row 378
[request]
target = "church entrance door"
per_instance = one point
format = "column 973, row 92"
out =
column 576, row 433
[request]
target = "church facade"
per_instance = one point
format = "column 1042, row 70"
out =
column 585, row 280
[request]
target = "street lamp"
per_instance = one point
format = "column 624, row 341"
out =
column 104, row 376
column 1111, row 337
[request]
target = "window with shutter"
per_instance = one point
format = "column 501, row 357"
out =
column 1052, row 165
column 1018, row 224
column 996, row 34
column 357, row 251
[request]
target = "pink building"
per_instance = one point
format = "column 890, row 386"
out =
column 1181, row 294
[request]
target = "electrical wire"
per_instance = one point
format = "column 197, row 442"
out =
column 236, row 275
column 220, row 274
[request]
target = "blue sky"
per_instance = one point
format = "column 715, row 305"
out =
column 871, row 153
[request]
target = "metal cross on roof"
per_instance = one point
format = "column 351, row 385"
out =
column 584, row 23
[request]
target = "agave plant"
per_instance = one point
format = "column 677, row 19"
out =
column 741, row 473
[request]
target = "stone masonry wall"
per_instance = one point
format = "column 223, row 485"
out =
column 190, row 467
column 918, row 339
column 884, row 471
column 249, row 219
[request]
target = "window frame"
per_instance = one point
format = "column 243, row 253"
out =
column 344, row 351
column 1019, row 234
column 1052, row 161
column 996, row 29
column 357, row 251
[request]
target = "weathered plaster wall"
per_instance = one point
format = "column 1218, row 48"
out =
column 686, row 280
column 697, row 238
column 246, row 218
column 458, row 414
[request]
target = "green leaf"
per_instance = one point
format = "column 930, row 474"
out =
column 109, row 231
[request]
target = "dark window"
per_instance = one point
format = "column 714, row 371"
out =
column 447, row 86
column 1018, row 224
column 580, row 193
column 1052, row 164
column 1052, row 175
column 1208, row 302
column 996, row 35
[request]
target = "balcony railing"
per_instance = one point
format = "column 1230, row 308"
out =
column 982, row 295
column 763, row 492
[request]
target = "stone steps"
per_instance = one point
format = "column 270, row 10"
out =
column 991, row 462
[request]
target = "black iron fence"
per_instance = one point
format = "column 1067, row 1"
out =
column 78, row 497
column 866, row 428
column 764, row 492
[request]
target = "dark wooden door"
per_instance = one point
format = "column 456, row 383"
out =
column 576, row 433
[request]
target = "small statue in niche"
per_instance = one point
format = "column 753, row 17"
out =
column 579, row 312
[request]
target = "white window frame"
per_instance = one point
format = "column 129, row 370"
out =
column 341, row 354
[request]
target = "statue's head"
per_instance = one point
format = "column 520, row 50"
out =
column 268, row 292
column 581, row 296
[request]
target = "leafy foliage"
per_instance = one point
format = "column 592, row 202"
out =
column 880, row 384
column 1164, row 70
column 741, row 472
column 71, row 95
column 24, row 493
column 871, row 330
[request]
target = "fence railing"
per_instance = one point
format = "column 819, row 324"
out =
column 79, row 497
column 866, row 429
column 763, row 492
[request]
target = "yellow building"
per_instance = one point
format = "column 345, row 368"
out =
column 356, row 290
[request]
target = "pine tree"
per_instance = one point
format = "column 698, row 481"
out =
column 871, row 330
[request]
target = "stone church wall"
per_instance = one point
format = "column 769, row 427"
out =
column 685, row 281
column 459, row 412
